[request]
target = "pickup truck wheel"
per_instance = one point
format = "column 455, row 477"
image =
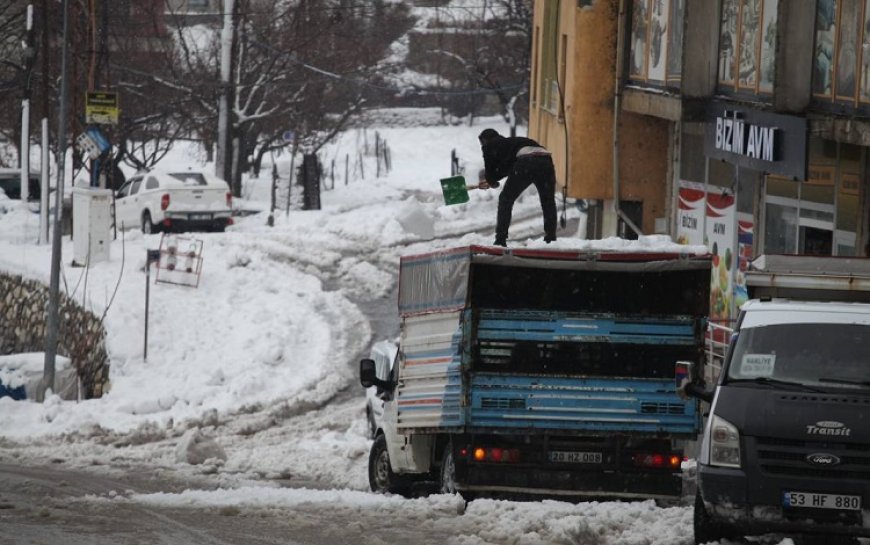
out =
column 148, row 226
column 705, row 529
column 382, row 480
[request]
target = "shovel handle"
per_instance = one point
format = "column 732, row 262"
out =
column 475, row 186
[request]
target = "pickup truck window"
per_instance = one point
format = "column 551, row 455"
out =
column 823, row 355
column 152, row 183
column 192, row 178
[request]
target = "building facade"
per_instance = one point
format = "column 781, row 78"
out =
column 743, row 125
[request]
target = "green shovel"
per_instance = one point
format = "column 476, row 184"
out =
column 454, row 189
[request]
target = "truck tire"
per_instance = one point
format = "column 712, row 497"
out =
column 447, row 479
column 148, row 226
column 382, row 480
column 705, row 529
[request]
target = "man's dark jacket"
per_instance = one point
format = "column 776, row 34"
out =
column 500, row 154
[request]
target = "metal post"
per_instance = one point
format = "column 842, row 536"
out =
column 147, row 300
column 53, row 318
column 44, row 173
column 25, row 111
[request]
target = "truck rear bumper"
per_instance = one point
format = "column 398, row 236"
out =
column 562, row 482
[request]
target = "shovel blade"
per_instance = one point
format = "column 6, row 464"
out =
column 454, row 189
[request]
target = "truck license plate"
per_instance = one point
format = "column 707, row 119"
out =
column 575, row 457
column 200, row 216
column 813, row 500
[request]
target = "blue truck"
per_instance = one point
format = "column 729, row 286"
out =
column 532, row 372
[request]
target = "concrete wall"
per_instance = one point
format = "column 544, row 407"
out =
column 700, row 48
column 794, row 56
column 23, row 306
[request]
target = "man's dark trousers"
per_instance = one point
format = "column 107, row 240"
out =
column 533, row 169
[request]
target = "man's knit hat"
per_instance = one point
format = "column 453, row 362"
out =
column 488, row 134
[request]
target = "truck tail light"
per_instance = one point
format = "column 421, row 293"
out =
column 229, row 199
column 658, row 460
column 496, row 454
column 164, row 201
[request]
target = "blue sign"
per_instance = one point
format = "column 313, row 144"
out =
column 98, row 138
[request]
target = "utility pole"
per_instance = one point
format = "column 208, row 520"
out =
column 224, row 156
column 53, row 319
column 29, row 55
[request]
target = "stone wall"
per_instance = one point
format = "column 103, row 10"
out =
column 81, row 337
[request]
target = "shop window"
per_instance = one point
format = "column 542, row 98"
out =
column 656, row 41
column 818, row 216
column 747, row 45
column 841, row 57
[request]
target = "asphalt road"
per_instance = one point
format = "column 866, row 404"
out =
column 43, row 505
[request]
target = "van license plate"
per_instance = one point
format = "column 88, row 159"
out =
column 575, row 457
column 200, row 216
column 812, row 500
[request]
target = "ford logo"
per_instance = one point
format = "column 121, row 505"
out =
column 830, row 424
column 822, row 459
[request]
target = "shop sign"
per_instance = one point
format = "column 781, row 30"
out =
column 753, row 141
column 762, row 141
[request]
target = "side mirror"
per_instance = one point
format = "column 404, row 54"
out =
column 686, row 382
column 367, row 375
column 684, row 372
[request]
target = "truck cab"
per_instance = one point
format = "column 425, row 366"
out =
column 786, row 447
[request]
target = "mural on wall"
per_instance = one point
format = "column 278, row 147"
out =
column 691, row 211
column 639, row 16
column 675, row 40
column 823, row 55
column 767, row 68
column 727, row 41
column 750, row 27
column 865, row 55
column 719, row 237
column 745, row 236
column 657, row 43
column 847, row 47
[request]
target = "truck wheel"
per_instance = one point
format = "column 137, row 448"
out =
column 382, row 480
column 705, row 529
column 147, row 226
column 448, row 471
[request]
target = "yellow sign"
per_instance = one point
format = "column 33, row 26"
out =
column 850, row 184
column 821, row 175
column 101, row 108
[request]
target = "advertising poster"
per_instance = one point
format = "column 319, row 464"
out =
column 690, row 213
column 720, row 236
column 658, row 40
column 750, row 29
column 639, row 22
column 745, row 228
column 768, row 46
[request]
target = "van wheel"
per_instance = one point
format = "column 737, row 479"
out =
column 705, row 529
column 382, row 480
column 147, row 226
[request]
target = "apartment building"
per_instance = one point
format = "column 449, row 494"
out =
column 743, row 125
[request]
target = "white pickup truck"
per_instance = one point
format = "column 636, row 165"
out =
column 174, row 201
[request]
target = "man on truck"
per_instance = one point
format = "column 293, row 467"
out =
column 524, row 162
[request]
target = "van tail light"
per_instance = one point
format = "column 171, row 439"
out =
column 658, row 460
column 229, row 199
column 495, row 454
column 230, row 221
column 164, row 201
